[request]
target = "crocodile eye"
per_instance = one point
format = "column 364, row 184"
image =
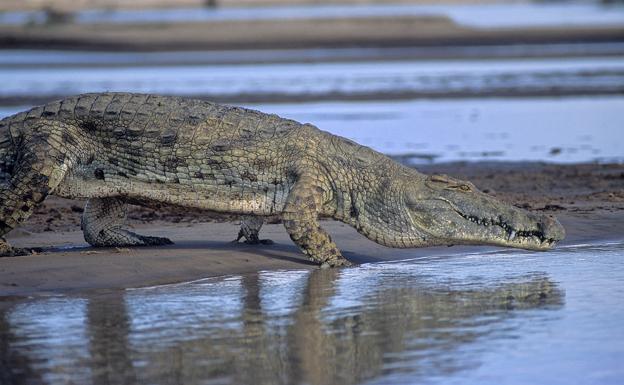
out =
column 460, row 187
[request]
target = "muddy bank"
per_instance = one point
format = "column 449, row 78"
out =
column 587, row 198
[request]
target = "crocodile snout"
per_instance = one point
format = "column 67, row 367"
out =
column 552, row 229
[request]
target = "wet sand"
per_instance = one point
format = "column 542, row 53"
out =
column 588, row 199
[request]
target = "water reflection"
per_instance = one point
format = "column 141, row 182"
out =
column 319, row 327
column 109, row 328
column 45, row 340
column 15, row 367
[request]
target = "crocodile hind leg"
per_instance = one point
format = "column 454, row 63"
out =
column 38, row 171
column 17, row 201
column 102, row 225
column 250, row 229
column 300, row 217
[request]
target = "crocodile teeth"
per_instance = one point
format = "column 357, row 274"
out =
column 512, row 235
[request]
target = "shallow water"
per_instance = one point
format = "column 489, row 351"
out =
column 472, row 15
column 574, row 129
column 504, row 317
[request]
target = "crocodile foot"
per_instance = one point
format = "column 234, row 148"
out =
column 336, row 263
column 153, row 241
column 255, row 241
column 7, row 251
column 259, row 242
column 124, row 238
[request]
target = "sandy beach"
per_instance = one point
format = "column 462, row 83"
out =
column 588, row 199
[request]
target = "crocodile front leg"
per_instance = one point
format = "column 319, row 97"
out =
column 102, row 223
column 300, row 217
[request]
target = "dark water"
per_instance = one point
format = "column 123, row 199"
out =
column 506, row 318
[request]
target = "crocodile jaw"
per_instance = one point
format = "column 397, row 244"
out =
column 451, row 211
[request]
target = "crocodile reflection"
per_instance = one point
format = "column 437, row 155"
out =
column 280, row 327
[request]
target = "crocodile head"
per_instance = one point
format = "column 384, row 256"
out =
column 444, row 210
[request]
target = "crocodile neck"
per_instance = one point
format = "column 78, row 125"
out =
column 367, row 192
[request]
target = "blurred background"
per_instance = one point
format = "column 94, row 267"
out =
column 423, row 81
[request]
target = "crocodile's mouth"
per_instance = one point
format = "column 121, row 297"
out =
column 511, row 235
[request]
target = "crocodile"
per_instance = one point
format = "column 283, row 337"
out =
column 115, row 149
